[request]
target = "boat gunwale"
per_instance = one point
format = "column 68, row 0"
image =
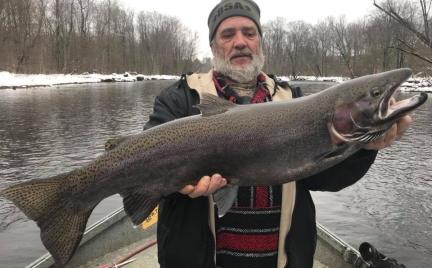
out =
column 346, row 251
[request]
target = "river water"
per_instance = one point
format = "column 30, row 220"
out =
column 47, row 131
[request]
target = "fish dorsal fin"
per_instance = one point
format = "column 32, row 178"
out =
column 114, row 142
column 211, row 105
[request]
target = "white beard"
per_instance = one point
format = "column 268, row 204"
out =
column 239, row 74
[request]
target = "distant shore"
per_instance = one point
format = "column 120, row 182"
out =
column 15, row 81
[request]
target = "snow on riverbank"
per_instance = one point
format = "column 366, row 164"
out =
column 418, row 84
column 11, row 80
column 413, row 84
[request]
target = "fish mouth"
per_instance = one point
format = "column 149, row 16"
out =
column 391, row 110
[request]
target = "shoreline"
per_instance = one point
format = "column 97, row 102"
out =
column 23, row 81
column 29, row 81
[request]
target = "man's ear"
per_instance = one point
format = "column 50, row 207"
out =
column 213, row 48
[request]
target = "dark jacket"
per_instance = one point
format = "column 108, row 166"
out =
column 183, row 233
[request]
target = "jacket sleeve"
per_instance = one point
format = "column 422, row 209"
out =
column 173, row 102
column 342, row 175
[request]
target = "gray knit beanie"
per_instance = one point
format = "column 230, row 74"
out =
column 231, row 8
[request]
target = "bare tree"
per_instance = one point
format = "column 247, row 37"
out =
column 165, row 45
column 84, row 14
column 422, row 32
column 321, row 43
column 274, row 43
column 297, row 41
column 25, row 19
column 340, row 35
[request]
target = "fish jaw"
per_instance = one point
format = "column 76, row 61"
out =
column 372, row 109
column 392, row 112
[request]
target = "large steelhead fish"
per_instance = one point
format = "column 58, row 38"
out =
column 259, row 144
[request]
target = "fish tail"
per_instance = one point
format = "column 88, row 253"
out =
column 61, row 223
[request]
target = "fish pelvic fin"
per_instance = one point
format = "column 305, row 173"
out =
column 61, row 224
column 138, row 206
column 211, row 105
column 225, row 198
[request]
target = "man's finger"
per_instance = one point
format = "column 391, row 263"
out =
column 216, row 182
column 187, row 189
column 201, row 187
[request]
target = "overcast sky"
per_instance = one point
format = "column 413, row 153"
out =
column 194, row 13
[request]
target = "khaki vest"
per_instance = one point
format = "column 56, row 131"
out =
column 203, row 83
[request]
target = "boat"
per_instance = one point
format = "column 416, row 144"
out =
column 114, row 242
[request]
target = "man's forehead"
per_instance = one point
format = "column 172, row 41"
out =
column 236, row 23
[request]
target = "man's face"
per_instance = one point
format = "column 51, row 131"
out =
column 237, row 49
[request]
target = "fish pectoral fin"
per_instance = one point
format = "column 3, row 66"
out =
column 337, row 151
column 224, row 198
column 211, row 105
column 138, row 205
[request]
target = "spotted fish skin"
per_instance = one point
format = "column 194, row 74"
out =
column 259, row 144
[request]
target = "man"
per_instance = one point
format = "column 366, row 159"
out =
column 268, row 226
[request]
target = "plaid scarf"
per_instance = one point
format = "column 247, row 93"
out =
column 261, row 94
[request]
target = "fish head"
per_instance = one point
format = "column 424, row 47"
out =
column 366, row 107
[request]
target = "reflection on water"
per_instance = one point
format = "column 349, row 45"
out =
column 47, row 131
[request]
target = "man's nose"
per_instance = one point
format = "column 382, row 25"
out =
column 239, row 41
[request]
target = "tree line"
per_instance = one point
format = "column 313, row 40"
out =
column 396, row 34
column 74, row 36
column 69, row 36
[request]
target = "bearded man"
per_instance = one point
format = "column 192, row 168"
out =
column 267, row 226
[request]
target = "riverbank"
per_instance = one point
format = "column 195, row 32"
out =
column 413, row 84
column 14, row 81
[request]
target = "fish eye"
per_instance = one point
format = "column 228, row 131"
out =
column 375, row 92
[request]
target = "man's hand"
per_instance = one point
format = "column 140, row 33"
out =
column 394, row 133
column 205, row 186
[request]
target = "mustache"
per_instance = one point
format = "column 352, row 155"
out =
column 241, row 53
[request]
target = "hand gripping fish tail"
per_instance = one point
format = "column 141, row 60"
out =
column 161, row 160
